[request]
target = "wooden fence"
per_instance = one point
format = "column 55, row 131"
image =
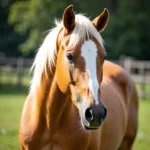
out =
column 18, row 69
column 14, row 70
column 140, row 72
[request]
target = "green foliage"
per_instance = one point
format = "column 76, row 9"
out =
column 9, row 39
column 37, row 16
column 34, row 17
column 127, row 32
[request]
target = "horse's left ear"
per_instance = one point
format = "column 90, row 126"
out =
column 69, row 19
column 101, row 21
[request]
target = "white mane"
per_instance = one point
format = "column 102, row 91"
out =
column 47, row 52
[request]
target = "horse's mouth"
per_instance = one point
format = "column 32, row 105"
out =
column 87, row 126
column 90, row 128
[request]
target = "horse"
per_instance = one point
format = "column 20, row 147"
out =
column 77, row 99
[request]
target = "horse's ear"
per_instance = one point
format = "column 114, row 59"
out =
column 101, row 21
column 69, row 19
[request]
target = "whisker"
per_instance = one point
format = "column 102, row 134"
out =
column 81, row 129
column 109, row 117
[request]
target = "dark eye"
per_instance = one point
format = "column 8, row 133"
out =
column 70, row 57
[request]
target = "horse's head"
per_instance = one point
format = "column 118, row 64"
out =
column 79, row 67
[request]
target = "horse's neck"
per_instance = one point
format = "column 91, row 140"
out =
column 56, row 106
column 40, row 99
column 51, row 104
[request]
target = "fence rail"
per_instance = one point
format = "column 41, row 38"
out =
column 26, row 62
column 18, row 69
column 140, row 72
column 14, row 70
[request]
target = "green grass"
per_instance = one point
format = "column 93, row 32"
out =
column 147, row 87
column 13, row 79
column 143, row 136
column 10, row 111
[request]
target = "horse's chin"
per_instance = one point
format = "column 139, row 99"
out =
column 87, row 127
column 92, row 128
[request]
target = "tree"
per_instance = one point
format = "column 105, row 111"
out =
column 9, row 40
column 127, row 32
column 34, row 17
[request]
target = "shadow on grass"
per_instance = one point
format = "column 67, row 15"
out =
column 13, row 89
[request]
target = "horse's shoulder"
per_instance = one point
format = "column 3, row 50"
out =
column 28, row 106
column 27, row 126
column 119, row 76
column 115, row 72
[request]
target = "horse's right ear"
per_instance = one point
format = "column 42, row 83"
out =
column 101, row 21
column 69, row 19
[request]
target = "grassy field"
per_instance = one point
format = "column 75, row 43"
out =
column 143, row 137
column 10, row 111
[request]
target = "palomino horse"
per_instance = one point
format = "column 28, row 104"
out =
column 76, row 102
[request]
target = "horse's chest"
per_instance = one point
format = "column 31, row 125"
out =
column 64, row 141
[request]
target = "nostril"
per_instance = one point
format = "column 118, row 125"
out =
column 88, row 114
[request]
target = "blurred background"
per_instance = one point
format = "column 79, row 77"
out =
column 23, row 26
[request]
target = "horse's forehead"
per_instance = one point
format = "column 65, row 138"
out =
column 89, row 52
column 87, row 43
column 92, row 49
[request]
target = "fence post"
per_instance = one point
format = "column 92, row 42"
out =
column 142, row 85
column 20, row 65
column 122, row 60
column 128, row 64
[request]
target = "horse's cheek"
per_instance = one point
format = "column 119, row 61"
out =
column 61, row 74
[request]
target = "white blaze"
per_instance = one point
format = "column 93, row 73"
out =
column 89, row 53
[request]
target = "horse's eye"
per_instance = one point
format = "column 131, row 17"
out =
column 70, row 57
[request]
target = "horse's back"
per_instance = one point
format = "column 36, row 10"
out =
column 121, row 99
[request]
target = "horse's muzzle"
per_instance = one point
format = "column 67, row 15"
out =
column 94, row 116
